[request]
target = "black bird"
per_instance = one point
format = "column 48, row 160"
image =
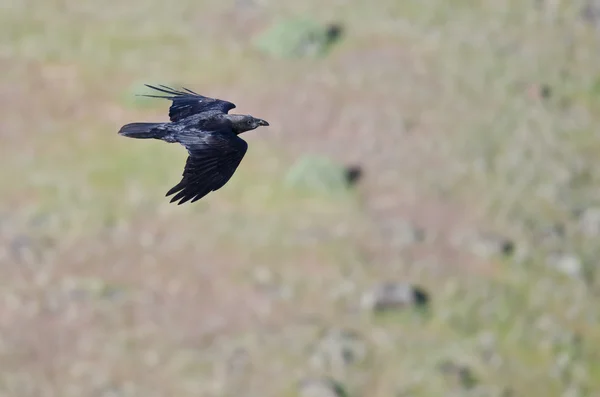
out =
column 210, row 135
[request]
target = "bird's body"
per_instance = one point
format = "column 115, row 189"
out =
column 210, row 135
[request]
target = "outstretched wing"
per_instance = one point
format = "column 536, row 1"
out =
column 213, row 158
column 187, row 102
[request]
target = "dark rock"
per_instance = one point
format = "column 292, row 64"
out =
column 545, row 91
column 393, row 296
column 321, row 387
column 339, row 348
column 353, row 174
column 334, row 32
column 539, row 91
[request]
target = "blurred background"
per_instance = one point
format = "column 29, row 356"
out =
column 422, row 217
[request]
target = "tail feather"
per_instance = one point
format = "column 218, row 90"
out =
column 142, row 130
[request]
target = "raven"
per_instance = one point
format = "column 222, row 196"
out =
column 210, row 135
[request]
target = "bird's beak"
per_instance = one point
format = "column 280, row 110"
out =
column 263, row 123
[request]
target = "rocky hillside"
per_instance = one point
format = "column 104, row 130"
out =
column 421, row 218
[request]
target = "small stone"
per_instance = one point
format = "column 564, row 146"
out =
column 487, row 343
column 459, row 374
column 568, row 264
column 151, row 358
column 485, row 244
column 238, row 361
column 589, row 222
column 539, row 91
column 342, row 290
column 402, row 233
column 389, row 295
column 24, row 249
column 339, row 348
column 552, row 235
column 111, row 392
column 263, row 275
column 574, row 391
column 334, row 31
column 591, row 12
column 353, row 174
column 545, row 91
column 321, row 387
column 91, row 288
column 247, row 4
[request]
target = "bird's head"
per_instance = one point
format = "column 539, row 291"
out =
column 245, row 122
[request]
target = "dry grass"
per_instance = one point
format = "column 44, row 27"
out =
column 468, row 118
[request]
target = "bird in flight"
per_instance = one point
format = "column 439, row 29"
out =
column 210, row 135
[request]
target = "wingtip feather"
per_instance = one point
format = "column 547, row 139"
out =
column 164, row 88
column 198, row 197
column 174, row 189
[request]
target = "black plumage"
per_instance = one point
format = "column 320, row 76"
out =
column 210, row 135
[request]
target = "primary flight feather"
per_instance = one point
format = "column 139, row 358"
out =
column 210, row 135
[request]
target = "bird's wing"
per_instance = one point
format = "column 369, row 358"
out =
column 213, row 158
column 187, row 102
